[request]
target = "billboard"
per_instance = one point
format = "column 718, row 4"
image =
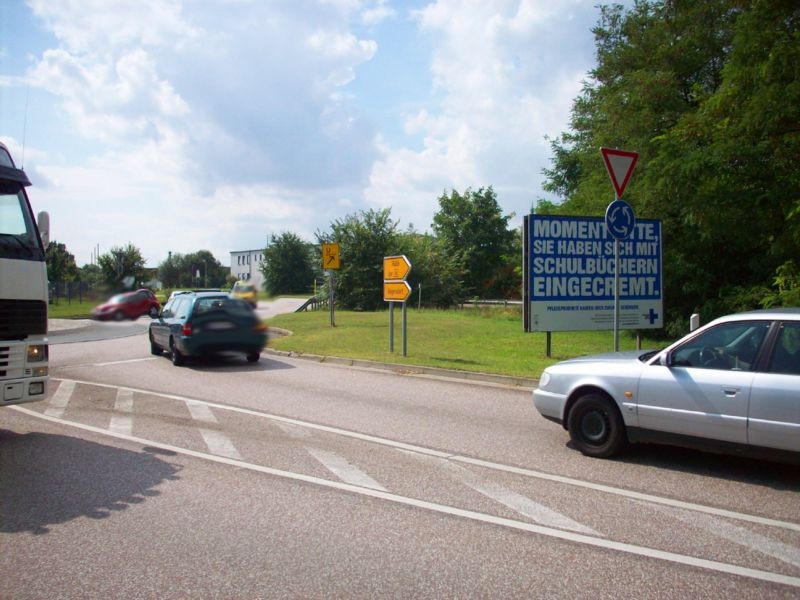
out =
column 569, row 275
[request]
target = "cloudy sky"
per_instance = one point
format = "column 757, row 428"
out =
column 180, row 125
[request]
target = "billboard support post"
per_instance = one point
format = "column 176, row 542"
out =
column 391, row 326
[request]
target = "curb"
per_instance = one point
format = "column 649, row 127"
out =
column 522, row 383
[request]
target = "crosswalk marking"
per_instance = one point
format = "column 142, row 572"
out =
column 124, row 403
column 631, row 549
column 344, row 469
column 200, row 412
column 516, row 502
column 60, row 400
column 218, row 443
column 734, row 533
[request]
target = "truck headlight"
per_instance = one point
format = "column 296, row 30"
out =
column 37, row 353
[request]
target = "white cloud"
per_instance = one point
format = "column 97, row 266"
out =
column 377, row 14
column 505, row 73
column 213, row 124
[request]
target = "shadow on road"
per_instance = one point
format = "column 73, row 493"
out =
column 231, row 363
column 742, row 469
column 50, row 479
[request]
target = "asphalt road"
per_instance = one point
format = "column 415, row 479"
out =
column 289, row 478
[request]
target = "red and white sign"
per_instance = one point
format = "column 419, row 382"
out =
column 619, row 165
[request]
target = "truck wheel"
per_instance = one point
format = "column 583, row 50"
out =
column 153, row 312
column 155, row 349
column 177, row 358
column 253, row 357
column 596, row 427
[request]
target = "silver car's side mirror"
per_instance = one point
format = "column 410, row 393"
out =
column 664, row 359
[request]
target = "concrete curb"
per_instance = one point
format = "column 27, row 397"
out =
column 522, row 383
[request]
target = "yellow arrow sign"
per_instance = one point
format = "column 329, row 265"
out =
column 396, row 267
column 330, row 256
column 396, row 291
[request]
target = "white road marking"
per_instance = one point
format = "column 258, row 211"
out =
column 124, row 403
column 338, row 465
column 788, row 525
column 106, row 364
column 516, row 502
column 200, row 411
column 60, row 399
column 344, row 470
column 293, row 431
column 448, row 510
column 739, row 535
column 218, row 443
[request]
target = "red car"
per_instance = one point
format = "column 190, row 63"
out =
column 130, row 305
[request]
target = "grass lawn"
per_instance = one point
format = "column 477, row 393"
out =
column 488, row 340
column 62, row 309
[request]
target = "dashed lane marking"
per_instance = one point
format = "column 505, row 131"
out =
column 788, row 525
column 568, row 536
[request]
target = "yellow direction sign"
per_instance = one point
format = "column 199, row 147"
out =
column 396, row 291
column 395, row 268
column 330, row 256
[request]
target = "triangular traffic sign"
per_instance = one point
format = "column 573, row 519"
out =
column 619, row 165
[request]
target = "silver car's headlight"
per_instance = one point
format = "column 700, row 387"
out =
column 544, row 379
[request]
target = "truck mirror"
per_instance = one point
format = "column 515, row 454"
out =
column 43, row 219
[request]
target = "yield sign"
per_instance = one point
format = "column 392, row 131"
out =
column 619, row 165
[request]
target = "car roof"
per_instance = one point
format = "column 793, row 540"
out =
column 776, row 314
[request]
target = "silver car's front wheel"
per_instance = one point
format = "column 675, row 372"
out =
column 596, row 427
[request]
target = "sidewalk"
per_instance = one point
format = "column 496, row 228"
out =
column 66, row 324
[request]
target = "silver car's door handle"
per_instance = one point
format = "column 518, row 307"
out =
column 730, row 392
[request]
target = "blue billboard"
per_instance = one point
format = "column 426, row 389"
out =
column 570, row 265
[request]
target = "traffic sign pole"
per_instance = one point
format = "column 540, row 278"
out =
column 405, row 330
column 620, row 220
column 391, row 327
column 616, row 295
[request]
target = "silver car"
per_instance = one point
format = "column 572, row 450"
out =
column 731, row 386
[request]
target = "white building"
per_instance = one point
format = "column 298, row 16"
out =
column 246, row 266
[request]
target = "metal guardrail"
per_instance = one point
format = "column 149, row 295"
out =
column 312, row 303
column 493, row 302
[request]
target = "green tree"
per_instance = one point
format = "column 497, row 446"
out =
column 289, row 265
column 180, row 270
column 708, row 93
column 60, row 263
column 122, row 267
column 364, row 239
column 433, row 268
column 475, row 233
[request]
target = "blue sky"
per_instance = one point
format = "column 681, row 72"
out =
column 210, row 124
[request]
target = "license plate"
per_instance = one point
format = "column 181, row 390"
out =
column 218, row 325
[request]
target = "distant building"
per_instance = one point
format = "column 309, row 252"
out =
column 246, row 265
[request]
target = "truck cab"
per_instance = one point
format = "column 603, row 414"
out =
column 23, row 290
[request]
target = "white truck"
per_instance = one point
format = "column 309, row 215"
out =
column 23, row 290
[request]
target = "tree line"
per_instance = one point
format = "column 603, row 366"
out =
column 472, row 253
column 708, row 93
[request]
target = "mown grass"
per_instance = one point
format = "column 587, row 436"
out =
column 488, row 340
column 71, row 309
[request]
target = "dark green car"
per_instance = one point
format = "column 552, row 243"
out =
column 205, row 323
